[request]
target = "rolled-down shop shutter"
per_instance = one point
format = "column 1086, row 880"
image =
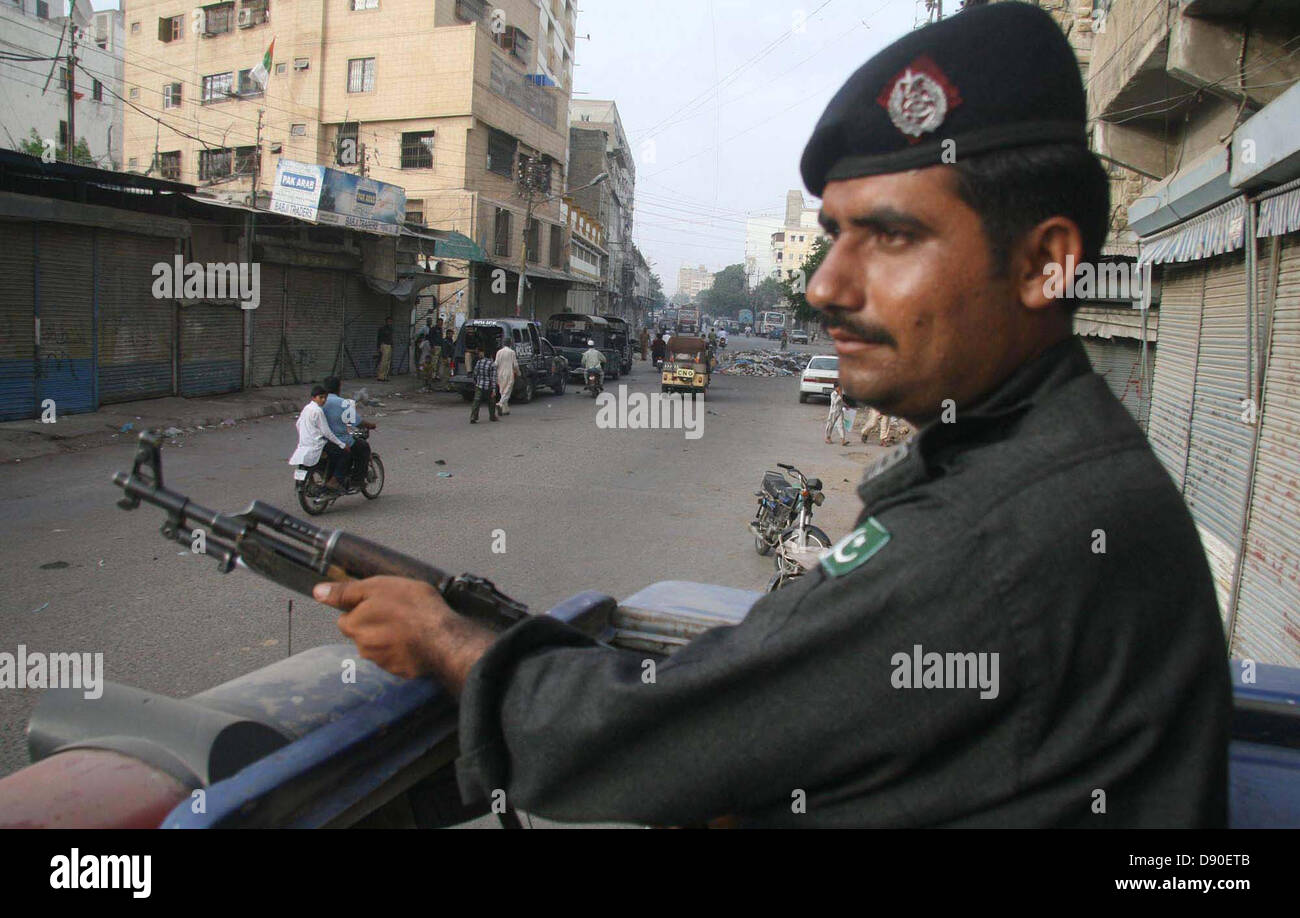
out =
column 1172, row 390
column 366, row 311
column 212, row 349
column 1267, row 624
column 1220, row 442
column 17, row 322
column 65, row 369
column 1119, row 361
column 135, row 327
column 314, row 320
column 268, row 369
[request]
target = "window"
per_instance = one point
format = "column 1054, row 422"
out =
column 97, row 93
column 247, row 85
column 217, row 87
column 347, row 144
column 415, row 211
column 172, row 95
column 133, row 93
column 247, row 160
column 215, row 164
column 218, row 18
column 252, row 13
column 471, row 10
column 42, row 9
column 514, row 40
column 169, row 165
column 301, row 63
column 501, row 153
column 365, row 4
column 555, row 246
column 298, row 130
column 171, row 28
column 135, row 28
column 531, row 239
column 417, row 150
column 502, row 241
column 279, row 68
column 63, row 134
column 63, row 78
column 361, row 74
column 133, row 163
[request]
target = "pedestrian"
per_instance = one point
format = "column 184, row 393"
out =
column 384, row 343
column 645, row 341
column 448, row 366
column 835, row 417
column 875, row 419
column 1001, row 640
column 507, row 366
column 426, row 361
column 485, row 380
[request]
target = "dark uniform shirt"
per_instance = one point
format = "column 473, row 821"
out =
column 1038, row 526
column 385, row 335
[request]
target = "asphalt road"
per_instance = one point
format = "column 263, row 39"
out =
column 581, row 508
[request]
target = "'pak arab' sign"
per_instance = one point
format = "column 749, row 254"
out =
column 324, row 195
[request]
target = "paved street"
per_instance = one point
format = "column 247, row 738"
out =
column 582, row 508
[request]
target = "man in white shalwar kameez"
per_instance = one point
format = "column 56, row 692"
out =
column 314, row 435
column 507, row 369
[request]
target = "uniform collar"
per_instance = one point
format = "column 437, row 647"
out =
column 911, row 462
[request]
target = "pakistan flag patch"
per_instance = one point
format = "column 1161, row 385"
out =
column 856, row 548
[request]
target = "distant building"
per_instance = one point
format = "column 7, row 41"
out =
column 759, row 263
column 693, row 281
column 792, row 243
column 597, row 143
column 28, row 28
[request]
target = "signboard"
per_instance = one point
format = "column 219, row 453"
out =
column 325, row 195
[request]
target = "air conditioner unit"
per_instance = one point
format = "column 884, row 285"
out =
column 245, row 20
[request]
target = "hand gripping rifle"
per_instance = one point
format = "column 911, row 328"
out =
column 294, row 553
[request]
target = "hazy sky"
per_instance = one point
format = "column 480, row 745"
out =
column 718, row 98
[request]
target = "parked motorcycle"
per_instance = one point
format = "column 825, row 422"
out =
column 594, row 380
column 309, row 481
column 785, row 510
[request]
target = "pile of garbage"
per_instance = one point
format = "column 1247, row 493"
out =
column 760, row 363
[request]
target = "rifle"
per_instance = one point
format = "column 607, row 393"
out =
column 293, row 552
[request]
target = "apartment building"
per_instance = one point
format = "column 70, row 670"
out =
column 598, row 144
column 444, row 98
column 37, row 91
column 793, row 242
column 693, row 281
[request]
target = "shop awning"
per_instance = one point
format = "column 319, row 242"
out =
column 449, row 244
column 1220, row 229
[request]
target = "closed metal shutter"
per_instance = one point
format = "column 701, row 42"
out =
column 366, row 311
column 1175, row 367
column 314, row 320
column 1119, row 362
column 268, row 326
column 1267, row 625
column 212, row 339
column 1220, row 442
column 135, row 327
column 17, row 323
column 65, row 370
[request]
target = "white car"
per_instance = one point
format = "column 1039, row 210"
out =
column 819, row 377
column 798, row 337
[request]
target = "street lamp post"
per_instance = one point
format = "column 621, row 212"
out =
column 527, row 178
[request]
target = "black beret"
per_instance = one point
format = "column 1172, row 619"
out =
column 989, row 78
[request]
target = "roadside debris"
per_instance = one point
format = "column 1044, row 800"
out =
column 760, row 363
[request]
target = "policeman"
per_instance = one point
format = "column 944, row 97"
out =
column 1021, row 630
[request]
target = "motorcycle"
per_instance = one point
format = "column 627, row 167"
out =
column 594, row 380
column 309, row 481
column 785, row 512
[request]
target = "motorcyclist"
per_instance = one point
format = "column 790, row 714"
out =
column 657, row 350
column 722, row 339
column 340, row 413
column 593, row 361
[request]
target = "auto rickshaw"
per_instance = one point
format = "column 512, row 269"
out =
column 687, row 365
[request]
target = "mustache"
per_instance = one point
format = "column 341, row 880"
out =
column 871, row 334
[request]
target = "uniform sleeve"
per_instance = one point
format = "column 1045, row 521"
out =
column 801, row 696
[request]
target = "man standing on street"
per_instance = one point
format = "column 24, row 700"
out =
column 1003, row 640
column 448, row 367
column 485, row 379
column 384, row 341
column 507, row 365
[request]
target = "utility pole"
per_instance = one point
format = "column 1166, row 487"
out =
column 257, row 157
column 72, row 89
